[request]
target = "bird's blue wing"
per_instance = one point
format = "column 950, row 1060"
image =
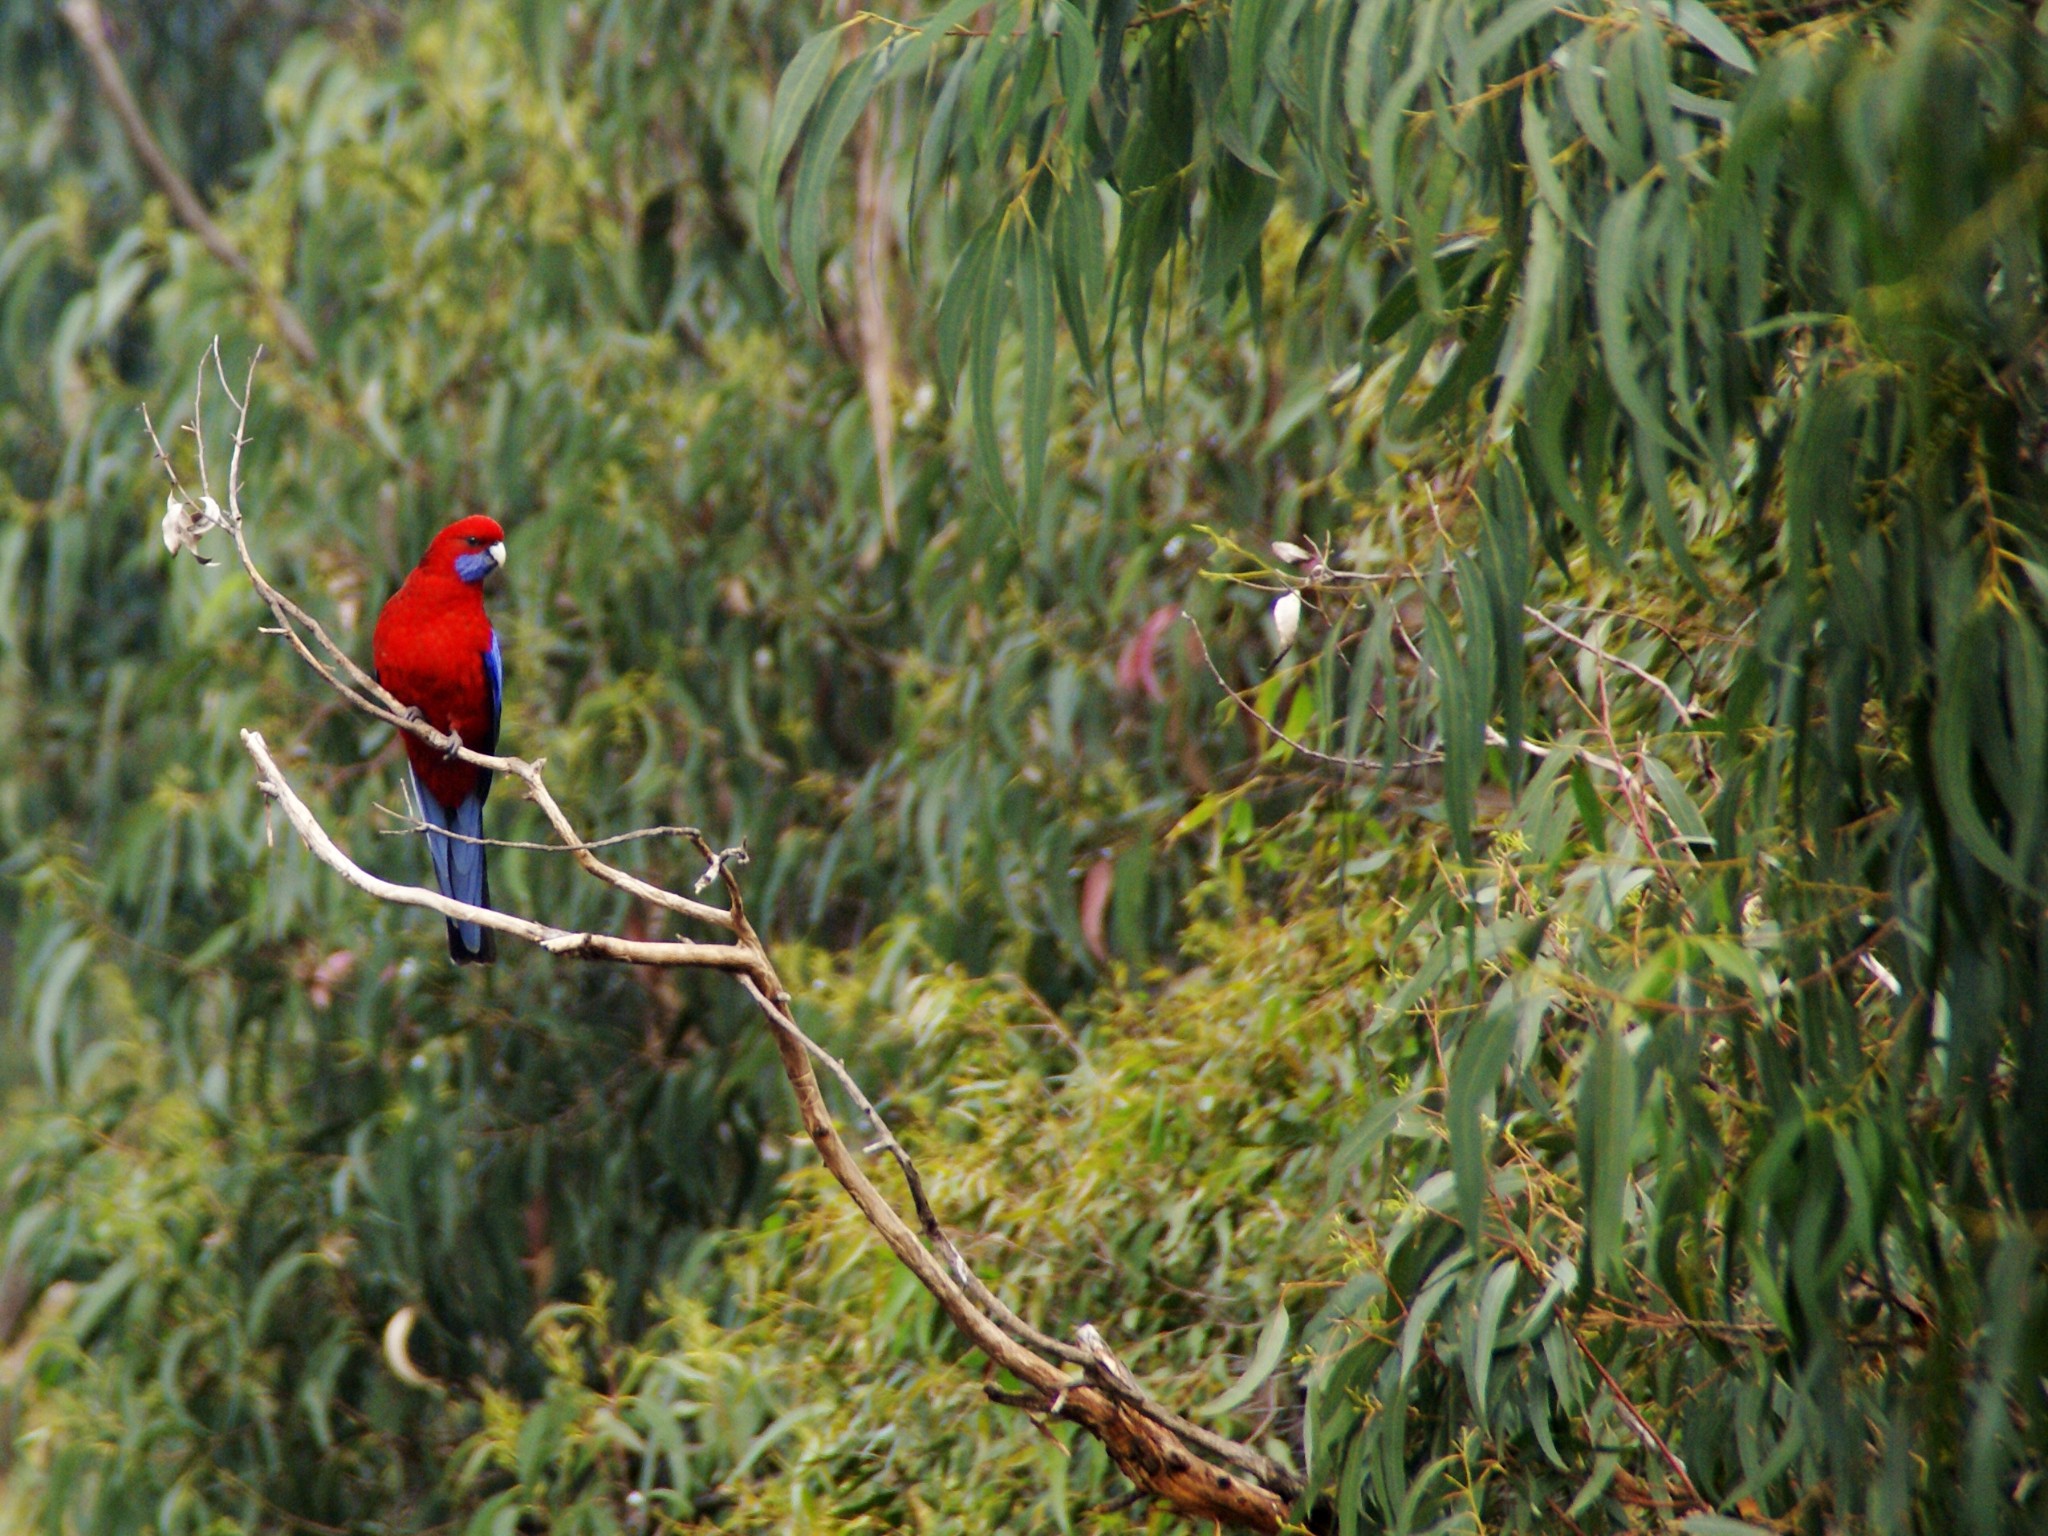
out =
column 494, row 681
column 494, row 677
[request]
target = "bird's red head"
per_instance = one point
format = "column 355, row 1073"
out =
column 468, row 550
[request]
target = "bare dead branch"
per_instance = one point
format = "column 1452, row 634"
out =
column 1149, row 1453
column 1091, row 1351
column 559, row 941
column 1148, row 1443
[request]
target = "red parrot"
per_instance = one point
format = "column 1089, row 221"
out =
column 434, row 649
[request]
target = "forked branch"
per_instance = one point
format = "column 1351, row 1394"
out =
column 1148, row 1442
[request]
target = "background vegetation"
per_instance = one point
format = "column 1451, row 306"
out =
column 1547, row 1035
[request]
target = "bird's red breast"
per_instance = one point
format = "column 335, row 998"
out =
column 429, row 648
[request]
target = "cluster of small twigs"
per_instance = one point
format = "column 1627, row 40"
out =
column 1313, row 574
column 1083, row 1382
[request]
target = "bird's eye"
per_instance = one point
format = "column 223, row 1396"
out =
column 475, row 543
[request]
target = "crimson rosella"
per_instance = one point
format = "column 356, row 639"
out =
column 435, row 650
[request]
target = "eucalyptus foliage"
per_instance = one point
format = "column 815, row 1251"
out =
column 1742, row 298
column 1557, row 1050
column 249, row 1118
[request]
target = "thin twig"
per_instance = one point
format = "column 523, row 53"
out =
column 1493, row 737
column 1685, row 711
column 1638, row 1425
column 414, row 824
column 1358, row 764
column 1641, row 1426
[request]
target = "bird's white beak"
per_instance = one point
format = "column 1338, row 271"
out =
column 497, row 554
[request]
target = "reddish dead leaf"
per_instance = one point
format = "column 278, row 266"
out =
column 1094, row 903
column 1137, row 665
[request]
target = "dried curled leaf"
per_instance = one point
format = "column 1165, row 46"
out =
column 184, row 523
column 1286, row 618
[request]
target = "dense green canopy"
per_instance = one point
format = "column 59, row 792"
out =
column 1385, row 663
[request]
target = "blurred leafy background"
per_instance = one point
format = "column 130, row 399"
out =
column 1557, row 1046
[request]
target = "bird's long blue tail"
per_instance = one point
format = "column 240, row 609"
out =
column 461, row 872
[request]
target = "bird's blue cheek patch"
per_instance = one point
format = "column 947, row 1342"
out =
column 473, row 568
